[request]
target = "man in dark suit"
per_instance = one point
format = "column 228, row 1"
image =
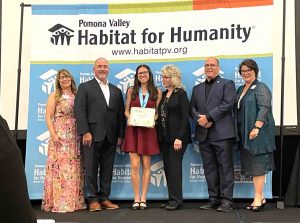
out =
column 211, row 107
column 99, row 110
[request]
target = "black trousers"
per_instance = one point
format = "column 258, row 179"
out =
column 218, row 167
column 99, row 155
column 173, row 169
column 15, row 205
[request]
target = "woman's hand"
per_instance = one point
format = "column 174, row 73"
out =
column 56, row 140
column 253, row 134
column 177, row 145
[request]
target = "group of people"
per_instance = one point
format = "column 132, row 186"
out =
column 87, row 125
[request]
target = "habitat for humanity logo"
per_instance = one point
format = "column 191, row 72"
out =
column 158, row 175
column 126, row 78
column 49, row 81
column 61, row 34
column 44, row 139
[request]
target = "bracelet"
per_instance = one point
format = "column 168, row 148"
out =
column 256, row 127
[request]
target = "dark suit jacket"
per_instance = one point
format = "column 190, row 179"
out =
column 178, row 126
column 94, row 116
column 15, row 205
column 219, row 105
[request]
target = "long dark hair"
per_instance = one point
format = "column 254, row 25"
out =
column 150, row 86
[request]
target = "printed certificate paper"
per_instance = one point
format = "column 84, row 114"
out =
column 143, row 117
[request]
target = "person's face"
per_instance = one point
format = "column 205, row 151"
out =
column 166, row 80
column 211, row 68
column 65, row 81
column 247, row 74
column 101, row 69
column 143, row 75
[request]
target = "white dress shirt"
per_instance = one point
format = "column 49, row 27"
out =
column 105, row 90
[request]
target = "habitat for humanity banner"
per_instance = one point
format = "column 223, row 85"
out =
column 183, row 33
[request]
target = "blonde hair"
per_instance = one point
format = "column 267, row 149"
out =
column 173, row 71
column 58, row 89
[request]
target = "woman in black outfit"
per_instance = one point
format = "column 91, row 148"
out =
column 173, row 132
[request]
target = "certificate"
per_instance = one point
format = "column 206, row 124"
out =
column 143, row 117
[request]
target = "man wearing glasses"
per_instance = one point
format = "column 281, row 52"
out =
column 211, row 108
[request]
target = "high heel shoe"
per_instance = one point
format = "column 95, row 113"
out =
column 260, row 207
column 249, row 207
column 263, row 203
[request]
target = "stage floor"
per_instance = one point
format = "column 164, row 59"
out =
column 190, row 213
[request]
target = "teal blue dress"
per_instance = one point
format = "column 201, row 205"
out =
column 256, row 154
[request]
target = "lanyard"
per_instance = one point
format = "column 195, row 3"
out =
column 143, row 101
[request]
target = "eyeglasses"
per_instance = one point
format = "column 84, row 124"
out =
column 246, row 71
column 165, row 77
column 64, row 77
column 143, row 73
column 210, row 65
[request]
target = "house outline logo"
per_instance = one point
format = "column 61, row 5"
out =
column 49, row 81
column 43, row 142
column 126, row 79
column 158, row 175
column 61, row 35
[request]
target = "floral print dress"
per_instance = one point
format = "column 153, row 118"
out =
column 63, row 186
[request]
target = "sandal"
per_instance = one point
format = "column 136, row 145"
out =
column 143, row 205
column 249, row 207
column 135, row 205
column 263, row 203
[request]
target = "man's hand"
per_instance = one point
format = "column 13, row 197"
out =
column 202, row 121
column 208, row 125
column 87, row 139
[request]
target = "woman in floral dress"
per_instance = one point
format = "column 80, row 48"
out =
column 63, row 186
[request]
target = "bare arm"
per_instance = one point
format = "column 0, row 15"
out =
column 50, row 110
column 127, row 103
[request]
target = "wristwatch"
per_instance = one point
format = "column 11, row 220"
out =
column 256, row 127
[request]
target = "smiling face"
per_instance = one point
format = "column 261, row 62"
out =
column 143, row 75
column 65, row 80
column 248, row 74
column 211, row 68
column 101, row 69
column 166, row 80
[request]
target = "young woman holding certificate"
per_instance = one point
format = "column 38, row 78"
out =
column 141, row 142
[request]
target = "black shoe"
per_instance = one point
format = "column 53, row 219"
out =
column 263, row 203
column 163, row 205
column 143, row 205
column 260, row 207
column 249, row 207
column 225, row 207
column 210, row 205
column 173, row 207
column 135, row 205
